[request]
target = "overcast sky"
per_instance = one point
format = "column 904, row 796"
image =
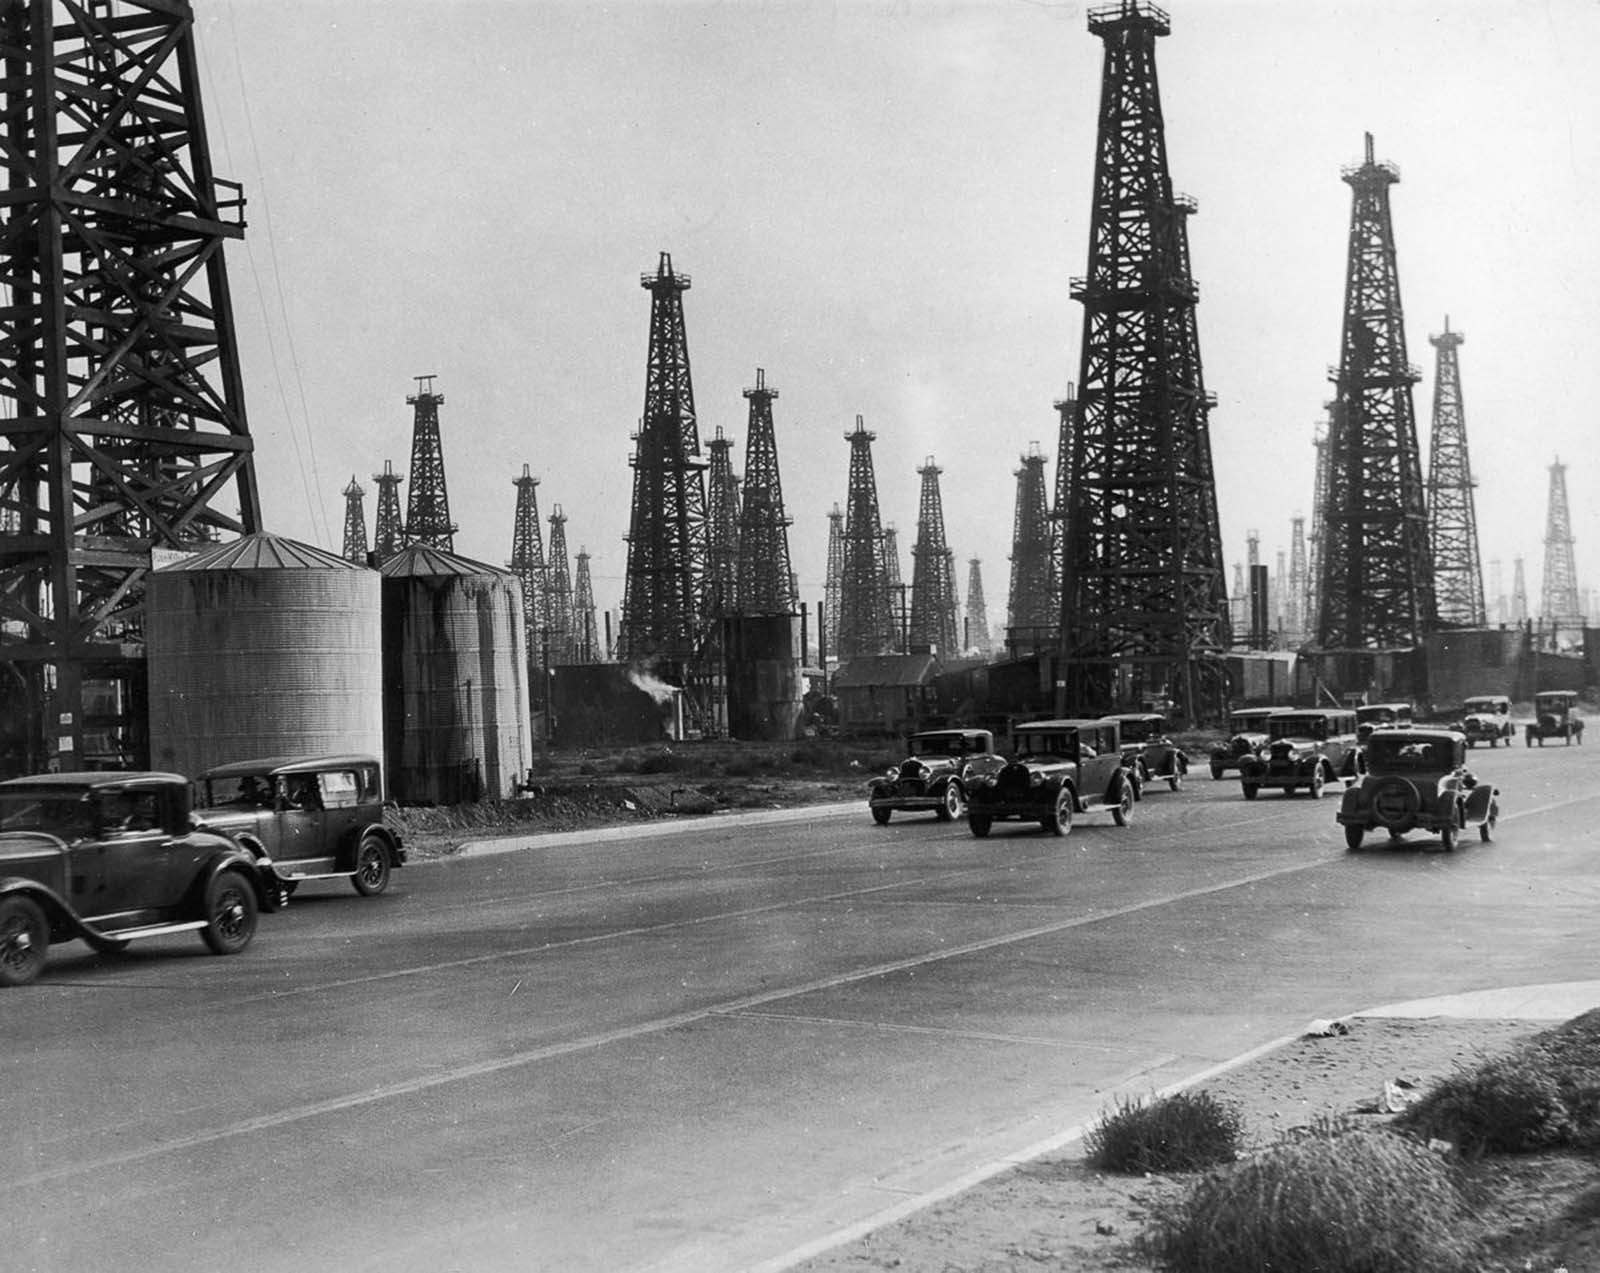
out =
column 881, row 203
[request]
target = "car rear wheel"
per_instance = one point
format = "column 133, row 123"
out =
column 881, row 816
column 1059, row 821
column 1216, row 773
column 1486, row 827
column 1314, row 788
column 230, row 913
column 24, row 940
column 1447, row 839
column 1175, row 782
column 950, row 808
column 372, row 867
column 1250, row 790
column 980, row 825
column 1353, row 837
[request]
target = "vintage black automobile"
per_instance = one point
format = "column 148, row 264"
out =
column 1371, row 716
column 1247, row 731
column 1306, row 747
column 315, row 817
column 1060, row 768
column 1417, row 780
column 111, row 857
column 936, row 774
column 1486, row 718
column 1555, row 715
column 1148, row 753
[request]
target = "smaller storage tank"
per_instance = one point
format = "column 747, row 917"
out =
column 455, row 675
column 262, row 647
column 766, row 695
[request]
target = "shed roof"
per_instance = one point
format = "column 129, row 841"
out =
column 425, row 559
column 262, row 551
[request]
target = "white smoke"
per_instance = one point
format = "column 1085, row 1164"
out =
column 651, row 685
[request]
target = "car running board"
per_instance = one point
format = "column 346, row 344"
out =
column 151, row 930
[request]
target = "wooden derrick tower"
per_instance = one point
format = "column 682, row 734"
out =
column 1452, row 515
column 833, row 585
column 1144, row 601
column 428, row 508
column 866, row 623
column 663, row 603
column 388, row 532
column 1375, row 571
column 1033, row 614
column 124, row 429
column 527, row 563
column 977, row 636
column 586, row 635
column 355, row 523
column 1559, row 607
column 559, row 576
column 933, row 603
column 765, row 579
column 722, row 529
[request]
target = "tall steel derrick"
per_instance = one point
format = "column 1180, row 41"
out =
column 894, row 588
column 1294, row 612
column 977, row 635
column 1452, row 518
column 933, row 601
column 1033, row 609
column 389, row 530
column 1067, row 414
column 722, row 529
column 1376, row 573
column 1311, row 597
column 833, row 584
column 1519, row 591
column 1144, row 602
column 355, row 522
column 558, row 575
column 121, row 405
column 585, row 632
column 428, row 506
column 866, row 623
column 765, row 579
column 1559, row 607
column 527, row 561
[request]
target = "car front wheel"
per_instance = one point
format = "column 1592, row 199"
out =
column 372, row 867
column 1314, row 788
column 1216, row 773
column 1122, row 811
column 24, row 940
column 950, row 808
column 1447, row 839
column 230, row 913
column 1353, row 837
column 1250, row 789
column 980, row 824
column 1486, row 827
column 1059, row 822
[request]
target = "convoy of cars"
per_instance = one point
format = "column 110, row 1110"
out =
column 112, row 857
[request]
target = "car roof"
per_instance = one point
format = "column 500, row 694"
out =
column 1136, row 716
column 1422, row 735
column 1318, row 711
column 1259, row 711
column 1392, row 707
column 95, row 778
column 1557, row 694
column 1487, row 698
column 952, row 733
column 1097, row 722
column 271, row 766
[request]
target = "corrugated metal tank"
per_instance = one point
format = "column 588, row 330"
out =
column 262, row 647
column 766, row 690
column 455, row 678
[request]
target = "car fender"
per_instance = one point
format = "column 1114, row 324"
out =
column 262, row 874
column 879, row 789
column 1350, row 804
column 1479, row 801
column 59, row 913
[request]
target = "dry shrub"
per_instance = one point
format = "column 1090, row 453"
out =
column 1181, row 1132
column 1331, row 1199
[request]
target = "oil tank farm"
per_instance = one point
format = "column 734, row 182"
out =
column 455, row 678
column 262, row 647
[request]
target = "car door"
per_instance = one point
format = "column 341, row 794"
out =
column 300, row 818
column 131, row 872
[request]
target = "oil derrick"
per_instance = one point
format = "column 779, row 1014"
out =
column 894, row 587
column 1376, row 575
column 355, row 523
column 559, row 593
column 1143, row 593
column 1497, row 590
column 833, row 585
column 1519, row 592
column 722, row 530
column 933, row 611
column 1312, row 600
column 663, row 601
column 388, row 532
column 1067, row 412
column 586, row 636
column 765, row 580
column 978, row 635
column 428, row 506
column 1559, row 607
column 866, row 623
column 1033, row 610
column 1452, row 519
column 1294, row 615
column 527, row 561
column 1257, row 602
column 125, row 429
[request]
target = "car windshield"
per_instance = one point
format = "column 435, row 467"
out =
column 1387, row 754
column 63, row 814
column 1247, row 722
column 1060, row 746
column 246, row 791
column 1485, row 705
column 1140, row 731
column 938, row 745
column 1297, row 727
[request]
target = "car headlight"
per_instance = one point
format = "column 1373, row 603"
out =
column 1036, row 779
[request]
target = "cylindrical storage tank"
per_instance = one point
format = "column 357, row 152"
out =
column 765, row 686
column 262, row 647
column 455, row 672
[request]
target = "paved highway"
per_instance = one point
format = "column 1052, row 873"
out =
column 698, row 1050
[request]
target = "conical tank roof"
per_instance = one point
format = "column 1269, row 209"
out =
column 424, row 559
column 263, row 552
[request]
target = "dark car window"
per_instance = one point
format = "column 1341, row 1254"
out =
column 339, row 789
column 299, row 791
column 127, row 811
